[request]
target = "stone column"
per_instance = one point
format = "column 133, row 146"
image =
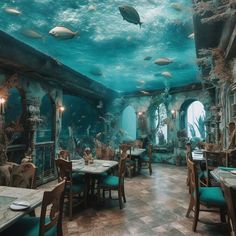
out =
column 32, row 119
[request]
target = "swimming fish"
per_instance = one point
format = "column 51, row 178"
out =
column 63, row 32
column 144, row 92
column 31, row 34
column 96, row 71
column 191, row 36
column 13, row 11
column 147, row 58
column 130, row 14
column 166, row 74
column 92, row 8
column 163, row 61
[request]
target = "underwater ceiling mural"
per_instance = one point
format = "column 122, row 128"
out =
column 127, row 46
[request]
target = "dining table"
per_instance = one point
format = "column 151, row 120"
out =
column 225, row 174
column 198, row 155
column 97, row 167
column 9, row 195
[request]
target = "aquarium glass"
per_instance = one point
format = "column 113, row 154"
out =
column 107, row 48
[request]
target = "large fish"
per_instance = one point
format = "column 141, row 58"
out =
column 12, row 11
column 130, row 14
column 62, row 32
column 166, row 74
column 163, row 61
column 31, row 34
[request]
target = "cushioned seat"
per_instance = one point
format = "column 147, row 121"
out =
column 212, row 196
column 77, row 177
column 47, row 225
column 28, row 226
column 110, row 181
column 145, row 158
column 146, row 161
column 209, row 197
column 75, row 188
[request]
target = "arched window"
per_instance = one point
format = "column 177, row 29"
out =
column 160, row 124
column 195, row 120
column 128, row 123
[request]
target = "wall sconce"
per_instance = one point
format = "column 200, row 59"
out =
column 2, row 105
column 173, row 112
column 61, row 110
column 140, row 113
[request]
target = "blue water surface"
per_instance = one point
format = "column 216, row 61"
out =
column 109, row 49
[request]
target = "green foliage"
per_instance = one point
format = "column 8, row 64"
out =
column 192, row 130
column 198, row 126
column 201, row 126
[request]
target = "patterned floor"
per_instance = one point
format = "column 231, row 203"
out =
column 155, row 205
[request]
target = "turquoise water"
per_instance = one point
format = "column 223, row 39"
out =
column 109, row 49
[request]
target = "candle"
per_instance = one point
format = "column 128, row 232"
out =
column 2, row 108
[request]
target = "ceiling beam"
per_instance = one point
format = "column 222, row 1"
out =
column 21, row 58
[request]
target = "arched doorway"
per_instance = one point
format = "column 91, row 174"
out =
column 195, row 121
column 128, row 123
column 160, row 125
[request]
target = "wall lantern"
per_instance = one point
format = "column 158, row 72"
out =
column 61, row 109
column 2, row 105
column 173, row 112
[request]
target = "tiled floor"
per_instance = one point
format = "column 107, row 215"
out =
column 155, row 205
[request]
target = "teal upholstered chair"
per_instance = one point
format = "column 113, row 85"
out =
column 74, row 189
column 77, row 177
column 130, row 163
column 210, row 197
column 116, row 183
column 43, row 225
column 146, row 161
column 230, row 197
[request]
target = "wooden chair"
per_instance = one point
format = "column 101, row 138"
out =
column 213, row 160
column 64, row 154
column 146, row 161
column 130, row 163
column 188, row 157
column 209, row 197
column 73, row 190
column 23, row 175
column 116, row 183
column 138, row 144
column 230, row 197
column 43, row 225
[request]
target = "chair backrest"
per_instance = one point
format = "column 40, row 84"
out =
column 64, row 170
column 52, row 200
column 149, row 152
column 122, row 168
column 138, row 143
column 23, row 175
column 125, row 148
column 188, row 152
column 230, row 196
column 64, row 154
column 193, row 179
column 215, row 159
